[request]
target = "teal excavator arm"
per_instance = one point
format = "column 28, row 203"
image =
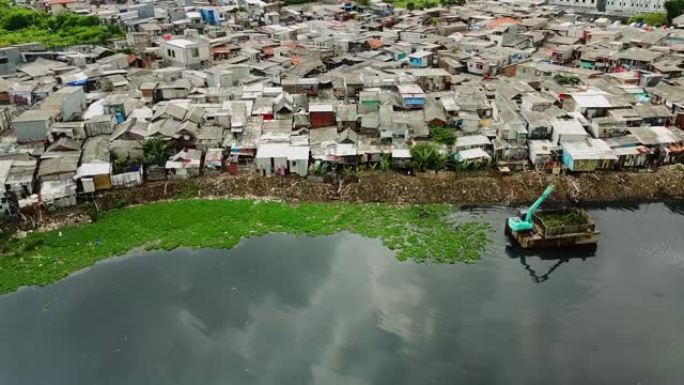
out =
column 538, row 202
column 517, row 224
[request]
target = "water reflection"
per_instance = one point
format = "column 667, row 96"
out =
column 342, row 310
column 559, row 256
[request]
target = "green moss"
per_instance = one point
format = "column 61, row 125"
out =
column 417, row 232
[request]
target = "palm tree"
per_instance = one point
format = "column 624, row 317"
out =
column 429, row 20
column 439, row 161
column 423, row 155
column 155, row 151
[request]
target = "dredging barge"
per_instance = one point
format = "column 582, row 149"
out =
column 552, row 228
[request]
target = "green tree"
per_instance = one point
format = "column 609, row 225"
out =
column 449, row 3
column 673, row 8
column 363, row 3
column 156, row 152
column 424, row 155
column 444, row 135
column 567, row 80
column 410, row 6
column 439, row 161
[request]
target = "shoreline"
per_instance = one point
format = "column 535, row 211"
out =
column 443, row 188
column 462, row 190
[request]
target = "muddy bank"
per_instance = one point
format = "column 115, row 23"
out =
column 485, row 189
column 518, row 188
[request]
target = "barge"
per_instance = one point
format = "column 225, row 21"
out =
column 552, row 234
column 553, row 228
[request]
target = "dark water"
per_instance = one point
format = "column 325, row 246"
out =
column 341, row 310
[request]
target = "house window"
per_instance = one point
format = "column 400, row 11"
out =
column 194, row 52
column 3, row 60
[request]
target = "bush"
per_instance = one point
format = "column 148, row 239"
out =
column 652, row 18
column 92, row 211
column 410, row 6
column 444, row 135
column 156, row 152
column 673, row 8
column 23, row 25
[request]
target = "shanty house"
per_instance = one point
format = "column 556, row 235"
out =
column 630, row 153
column 421, row 59
column 432, row 79
column 472, row 141
column 185, row 52
column 412, row 95
column 346, row 116
column 5, row 167
column 588, row 155
column 99, row 125
column 321, row 115
column 474, row 157
column 33, row 125
column 57, row 194
column 95, row 169
column 281, row 158
column 544, row 155
column 510, row 154
column 567, row 130
column 69, row 102
column 184, row 164
column 590, row 103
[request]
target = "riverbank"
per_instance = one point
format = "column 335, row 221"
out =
column 451, row 188
column 470, row 189
column 421, row 233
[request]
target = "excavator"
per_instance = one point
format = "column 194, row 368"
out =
column 517, row 224
column 530, row 231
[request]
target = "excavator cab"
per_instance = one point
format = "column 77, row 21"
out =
column 518, row 224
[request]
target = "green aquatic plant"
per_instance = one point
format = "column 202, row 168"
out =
column 421, row 233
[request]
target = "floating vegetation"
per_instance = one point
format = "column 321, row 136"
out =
column 418, row 232
column 562, row 218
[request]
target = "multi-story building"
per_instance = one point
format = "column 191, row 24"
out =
column 624, row 7
column 634, row 6
column 585, row 5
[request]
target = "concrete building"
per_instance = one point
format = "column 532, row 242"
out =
column 185, row 52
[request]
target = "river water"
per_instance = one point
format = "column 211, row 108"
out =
column 342, row 310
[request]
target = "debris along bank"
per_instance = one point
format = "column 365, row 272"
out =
column 519, row 188
column 419, row 232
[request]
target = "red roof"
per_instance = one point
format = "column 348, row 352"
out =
column 374, row 43
column 502, row 21
column 56, row 2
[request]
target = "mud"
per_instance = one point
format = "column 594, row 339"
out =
column 481, row 189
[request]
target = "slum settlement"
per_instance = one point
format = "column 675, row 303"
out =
column 258, row 87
